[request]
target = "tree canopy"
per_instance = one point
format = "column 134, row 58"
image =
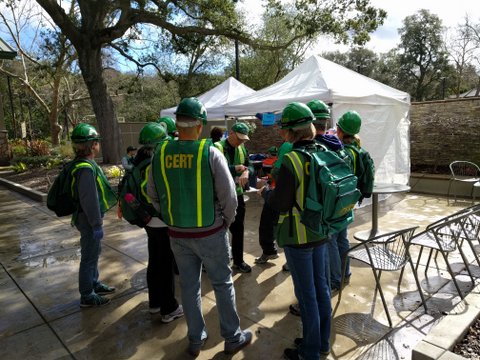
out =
column 116, row 24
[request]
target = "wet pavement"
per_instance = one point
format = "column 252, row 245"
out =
column 40, row 317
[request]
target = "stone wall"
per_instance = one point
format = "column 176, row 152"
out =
column 440, row 132
column 444, row 131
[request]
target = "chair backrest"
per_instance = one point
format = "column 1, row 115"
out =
column 455, row 215
column 448, row 232
column 389, row 251
column 471, row 226
column 461, row 169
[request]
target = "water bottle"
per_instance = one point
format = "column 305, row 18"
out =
column 136, row 206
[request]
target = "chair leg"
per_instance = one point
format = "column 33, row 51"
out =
column 450, row 271
column 448, row 191
column 344, row 269
column 465, row 262
column 428, row 261
column 419, row 257
column 419, row 287
column 379, row 287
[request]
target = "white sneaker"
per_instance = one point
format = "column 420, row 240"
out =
column 173, row 315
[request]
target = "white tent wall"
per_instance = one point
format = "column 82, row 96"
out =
column 216, row 98
column 384, row 110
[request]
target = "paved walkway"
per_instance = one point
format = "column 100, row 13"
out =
column 40, row 317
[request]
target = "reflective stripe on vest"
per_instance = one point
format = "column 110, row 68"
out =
column 298, row 166
column 354, row 158
column 143, row 185
column 103, row 197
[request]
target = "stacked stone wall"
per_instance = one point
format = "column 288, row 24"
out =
column 444, row 131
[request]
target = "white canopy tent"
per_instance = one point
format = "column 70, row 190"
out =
column 384, row 110
column 216, row 98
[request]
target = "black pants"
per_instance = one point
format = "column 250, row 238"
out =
column 160, row 277
column 237, row 229
column 266, row 236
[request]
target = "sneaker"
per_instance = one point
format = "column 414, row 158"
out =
column 294, row 309
column 154, row 310
column 93, row 300
column 285, row 267
column 243, row 267
column 234, row 347
column 104, row 289
column 194, row 349
column 178, row 313
column 264, row 258
column 291, row 354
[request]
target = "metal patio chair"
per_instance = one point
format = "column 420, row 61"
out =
column 443, row 236
column 470, row 229
column 386, row 252
column 463, row 172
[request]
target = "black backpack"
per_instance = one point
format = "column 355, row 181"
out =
column 139, row 213
column 60, row 197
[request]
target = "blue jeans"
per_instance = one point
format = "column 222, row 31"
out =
column 338, row 246
column 90, row 252
column 213, row 251
column 309, row 270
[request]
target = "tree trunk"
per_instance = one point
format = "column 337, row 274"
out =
column 90, row 61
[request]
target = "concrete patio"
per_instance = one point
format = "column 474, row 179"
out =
column 40, row 317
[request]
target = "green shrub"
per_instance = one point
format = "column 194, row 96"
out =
column 18, row 147
column 64, row 150
column 32, row 161
column 19, row 167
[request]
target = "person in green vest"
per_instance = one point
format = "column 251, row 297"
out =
column 160, row 268
column 348, row 127
column 269, row 216
column 305, row 251
column 95, row 197
column 238, row 163
column 190, row 185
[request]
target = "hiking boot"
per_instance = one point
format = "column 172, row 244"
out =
column 178, row 313
column 154, row 310
column 234, row 347
column 294, row 309
column 264, row 258
column 346, row 281
column 194, row 349
column 291, row 354
column 243, row 267
column 285, row 267
column 104, row 289
column 93, row 301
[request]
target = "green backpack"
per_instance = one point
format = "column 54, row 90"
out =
column 60, row 198
column 331, row 192
column 136, row 212
column 363, row 168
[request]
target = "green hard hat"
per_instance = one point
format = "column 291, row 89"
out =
column 84, row 132
column 350, row 123
column 192, row 107
column 168, row 123
column 242, row 130
column 152, row 133
column 296, row 114
column 319, row 109
column 273, row 150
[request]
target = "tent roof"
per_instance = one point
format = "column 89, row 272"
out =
column 216, row 98
column 316, row 78
column 6, row 52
